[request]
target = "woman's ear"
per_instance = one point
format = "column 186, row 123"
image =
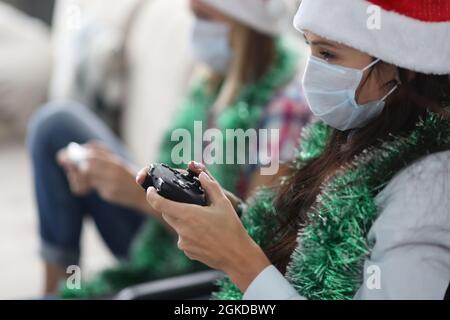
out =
column 410, row 75
column 397, row 75
column 386, row 74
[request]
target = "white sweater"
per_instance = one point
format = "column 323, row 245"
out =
column 410, row 258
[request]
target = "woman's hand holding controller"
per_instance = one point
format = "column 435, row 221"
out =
column 200, row 167
column 213, row 234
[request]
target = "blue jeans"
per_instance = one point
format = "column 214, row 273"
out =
column 61, row 213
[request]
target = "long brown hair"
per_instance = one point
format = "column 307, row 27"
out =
column 403, row 110
column 253, row 54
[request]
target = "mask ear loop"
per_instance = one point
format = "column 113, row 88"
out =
column 390, row 92
column 371, row 65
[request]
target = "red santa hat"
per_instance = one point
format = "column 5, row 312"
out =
column 413, row 34
column 267, row 16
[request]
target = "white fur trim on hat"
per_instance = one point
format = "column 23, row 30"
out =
column 400, row 40
column 267, row 16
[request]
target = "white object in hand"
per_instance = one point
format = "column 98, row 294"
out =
column 77, row 154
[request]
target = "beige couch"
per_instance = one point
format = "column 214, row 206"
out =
column 24, row 69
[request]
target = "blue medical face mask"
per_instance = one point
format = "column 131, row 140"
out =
column 211, row 44
column 331, row 94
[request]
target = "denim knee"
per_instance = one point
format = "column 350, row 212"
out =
column 50, row 121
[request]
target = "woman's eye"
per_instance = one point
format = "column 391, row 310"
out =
column 326, row 55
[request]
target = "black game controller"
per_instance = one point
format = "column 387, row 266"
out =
column 174, row 185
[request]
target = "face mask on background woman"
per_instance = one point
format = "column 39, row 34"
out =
column 331, row 94
column 211, row 44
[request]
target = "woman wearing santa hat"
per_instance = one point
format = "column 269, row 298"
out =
column 364, row 213
column 250, row 82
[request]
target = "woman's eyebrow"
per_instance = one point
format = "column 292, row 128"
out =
column 323, row 43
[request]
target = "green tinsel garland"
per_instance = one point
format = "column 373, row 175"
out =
column 155, row 254
column 328, row 261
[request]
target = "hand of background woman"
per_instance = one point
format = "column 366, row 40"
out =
column 105, row 173
column 78, row 181
column 113, row 178
column 213, row 235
